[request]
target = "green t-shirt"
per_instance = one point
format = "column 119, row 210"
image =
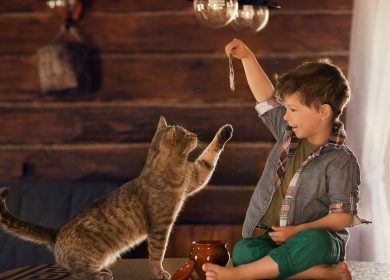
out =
column 271, row 216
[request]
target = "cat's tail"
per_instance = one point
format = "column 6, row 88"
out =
column 22, row 229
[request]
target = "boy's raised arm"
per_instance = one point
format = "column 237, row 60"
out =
column 261, row 87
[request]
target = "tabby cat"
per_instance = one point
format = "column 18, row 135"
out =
column 145, row 207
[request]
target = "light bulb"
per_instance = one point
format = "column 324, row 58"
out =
column 215, row 13
column 59, row 3
column 251, row 18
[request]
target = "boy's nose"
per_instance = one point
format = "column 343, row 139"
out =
column 285, row 117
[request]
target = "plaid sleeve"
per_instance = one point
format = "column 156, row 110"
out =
column 271, row 112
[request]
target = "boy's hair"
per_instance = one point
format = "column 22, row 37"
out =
column 317, row 83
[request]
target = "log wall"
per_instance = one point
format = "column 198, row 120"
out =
column 153, row 59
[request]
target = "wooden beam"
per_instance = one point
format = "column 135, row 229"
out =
column 125, row 6
column 179, row 33
column 70, row 123
column 194, row 78
column 217, row 204
column 241, row 163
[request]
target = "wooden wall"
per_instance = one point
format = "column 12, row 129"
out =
column 155, row 59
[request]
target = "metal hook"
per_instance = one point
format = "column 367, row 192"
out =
column 69, row 18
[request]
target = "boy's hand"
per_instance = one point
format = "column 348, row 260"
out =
column 237, row 49
column 282, row 234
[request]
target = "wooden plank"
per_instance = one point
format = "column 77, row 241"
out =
column 214, row 204
column 140, row 78
column 240, row 164
column 217, row 204
column 178, row 33
column 302, row 5
column 125, row 6
column 124, row 124
column 182, row 236
column 108, row 6
column 19, row 74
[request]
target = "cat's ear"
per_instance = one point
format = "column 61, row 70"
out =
column 161, row 123
column 170, row 136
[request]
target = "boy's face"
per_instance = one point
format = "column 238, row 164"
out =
column 306, row 122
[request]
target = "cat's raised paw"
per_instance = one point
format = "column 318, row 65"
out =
column 225, row 133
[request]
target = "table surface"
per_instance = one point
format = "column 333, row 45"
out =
column 138, row 269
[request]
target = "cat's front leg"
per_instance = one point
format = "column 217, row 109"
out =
column 205, row 164
column 157, row 243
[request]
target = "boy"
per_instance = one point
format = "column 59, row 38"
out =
column 307, row 195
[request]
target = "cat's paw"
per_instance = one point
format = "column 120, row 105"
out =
column 163, row 275
column 225, row 133
column 105, row 275
column 159, row 273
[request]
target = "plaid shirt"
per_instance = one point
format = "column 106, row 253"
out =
column 289, row 145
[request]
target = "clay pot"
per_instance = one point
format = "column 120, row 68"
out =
column 212, row 251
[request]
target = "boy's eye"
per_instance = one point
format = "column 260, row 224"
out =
column 291, row 109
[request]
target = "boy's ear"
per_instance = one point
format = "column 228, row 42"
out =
column 326, row 111
column 161, row 123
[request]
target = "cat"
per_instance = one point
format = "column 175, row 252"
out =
column 143, row 208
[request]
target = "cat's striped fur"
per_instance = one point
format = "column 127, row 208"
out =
column 145, row 207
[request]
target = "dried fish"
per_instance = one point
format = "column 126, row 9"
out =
column 231, row 73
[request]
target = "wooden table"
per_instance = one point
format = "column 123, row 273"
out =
column 138, row 269
column 130, row 269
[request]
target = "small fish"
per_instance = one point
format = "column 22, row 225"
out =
column 231, row 73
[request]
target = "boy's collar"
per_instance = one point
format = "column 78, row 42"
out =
column 337, row 139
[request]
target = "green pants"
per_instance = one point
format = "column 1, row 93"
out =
column 306, row 249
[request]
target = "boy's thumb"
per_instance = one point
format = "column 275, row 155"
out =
column 275, row 228
column 207, row 266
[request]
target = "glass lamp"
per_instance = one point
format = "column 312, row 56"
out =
column 215, row 13
column 59, row 3
column 251, row 18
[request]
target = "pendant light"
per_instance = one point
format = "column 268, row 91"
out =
column 215, row 13
column 243, row 15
